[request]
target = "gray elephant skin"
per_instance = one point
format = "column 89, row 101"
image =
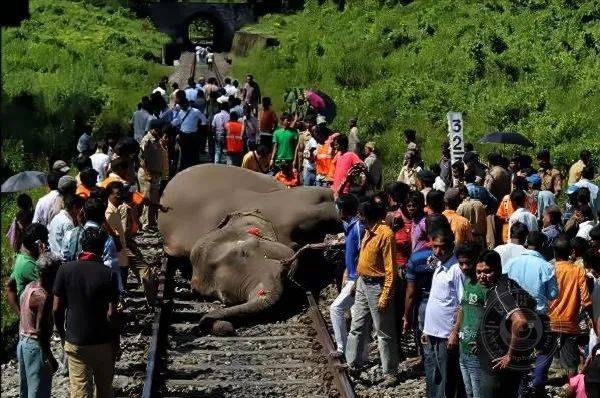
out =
column 238, row 228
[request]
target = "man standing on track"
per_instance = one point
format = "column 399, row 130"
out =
column 188, row 120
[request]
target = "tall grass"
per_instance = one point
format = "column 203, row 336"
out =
column 528, row 66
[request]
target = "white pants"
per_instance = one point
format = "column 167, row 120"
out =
column 337, row 311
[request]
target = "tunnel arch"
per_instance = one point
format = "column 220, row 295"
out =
column 217, row 39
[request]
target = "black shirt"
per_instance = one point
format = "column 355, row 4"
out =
column 87, row 288
column 501, row 301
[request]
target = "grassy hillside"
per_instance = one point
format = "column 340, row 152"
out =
column 70, row 62
column 522, row 65
column 73, row 61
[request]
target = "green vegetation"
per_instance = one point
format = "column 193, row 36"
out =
column 70, row 62
column 528, row 65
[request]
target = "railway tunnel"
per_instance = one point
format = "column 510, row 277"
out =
column 187, row 22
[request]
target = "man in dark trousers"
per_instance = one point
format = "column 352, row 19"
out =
column 88, row 291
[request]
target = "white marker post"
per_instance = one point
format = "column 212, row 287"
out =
column 455, row 136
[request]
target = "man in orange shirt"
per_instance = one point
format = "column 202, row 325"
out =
column 461, row 227
column 323, row 155
column 573, row 297
column 374, row 292
column 506, row 208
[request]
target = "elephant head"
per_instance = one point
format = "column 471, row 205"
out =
column 241, row 263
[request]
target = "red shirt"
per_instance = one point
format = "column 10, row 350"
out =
column 402, row 230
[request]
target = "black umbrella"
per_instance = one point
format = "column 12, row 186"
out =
column 23, row 181
column 501, row 137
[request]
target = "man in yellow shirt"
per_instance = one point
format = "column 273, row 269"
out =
column 374, row 293
column 573, row 297
column 577, row 167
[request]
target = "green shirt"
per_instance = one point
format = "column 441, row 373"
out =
column 472, row 309
column 286, row 144
column 24, row 271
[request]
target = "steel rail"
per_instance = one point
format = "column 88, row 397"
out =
column 339, row 373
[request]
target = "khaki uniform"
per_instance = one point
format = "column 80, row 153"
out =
column 151, row 171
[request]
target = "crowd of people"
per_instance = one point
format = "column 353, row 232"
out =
column 493, row 269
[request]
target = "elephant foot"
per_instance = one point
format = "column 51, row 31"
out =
column 216, row 327
column 223, row 328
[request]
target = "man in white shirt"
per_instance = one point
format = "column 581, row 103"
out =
column 585, row 226
column 100, row 160
column 46, row 202
column 440, row 333
column 587, row 174
column 515, row 246
column 218, row 130
column 229, row 89
column 162, row 89
column 64, row 221
column 521, row 214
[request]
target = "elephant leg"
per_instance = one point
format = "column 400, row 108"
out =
column 259, row 301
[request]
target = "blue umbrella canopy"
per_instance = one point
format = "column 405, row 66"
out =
column 23, row 181
column 503, row 137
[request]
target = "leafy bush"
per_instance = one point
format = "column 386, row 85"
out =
column 527, row 65
column 73, row 62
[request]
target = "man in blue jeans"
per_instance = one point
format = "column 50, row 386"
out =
column 440, row 332
column 469, row 318
column 36, row 362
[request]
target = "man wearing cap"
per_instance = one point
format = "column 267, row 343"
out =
column 374, row 165
column 552, row 180
column 152, row 168
column 60, row 167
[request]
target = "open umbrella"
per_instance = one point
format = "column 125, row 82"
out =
column 501, row 137
column 329, row 107
column 23, row 181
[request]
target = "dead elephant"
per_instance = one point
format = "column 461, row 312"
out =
column 238, row 227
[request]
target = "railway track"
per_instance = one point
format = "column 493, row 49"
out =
column 279, row 358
